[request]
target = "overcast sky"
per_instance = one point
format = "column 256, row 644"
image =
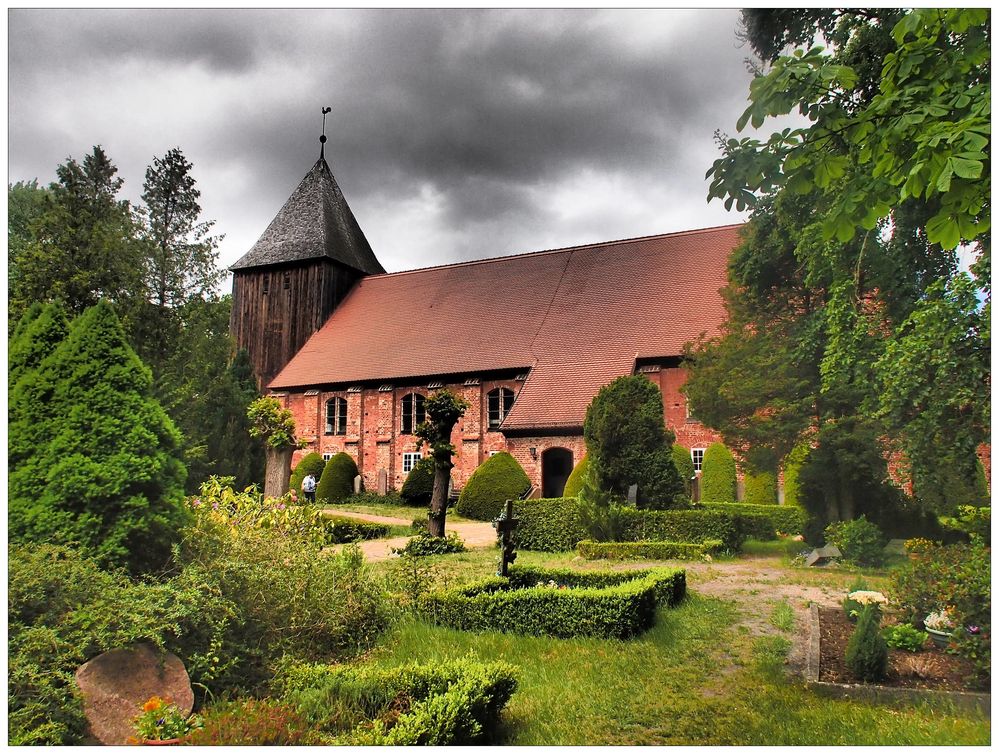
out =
column 455, row 134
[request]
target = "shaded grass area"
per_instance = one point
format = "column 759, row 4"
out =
column 696, row 678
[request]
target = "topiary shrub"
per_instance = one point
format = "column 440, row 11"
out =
column 646, row 550
column 718, row 475
column 337, row 481
column 867, row 651
column 684, row 466
column 575, row 481
column 419, row 484
column 761, row 488
column 792, row 467
column 498, row 479
column 424, row 544
column 313, row 463
column 340, row 530
column 548, row 524
column 629, row 444
column 860, row 541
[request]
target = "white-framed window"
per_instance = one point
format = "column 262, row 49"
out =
column 409, row 460
column 697, row 456
column 500, row 403
column 327, row 456
column 494, row 452
column 336, row 416
column 413, row 412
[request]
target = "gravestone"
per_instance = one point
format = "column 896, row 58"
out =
column 895, row 547
column 632, row 494
column 116, row 684
column 822, row 555
column 358, row 481
column 382, row 481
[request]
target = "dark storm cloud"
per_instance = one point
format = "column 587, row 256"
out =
column 475, row 118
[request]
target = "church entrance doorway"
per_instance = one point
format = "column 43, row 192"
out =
column 556, row 465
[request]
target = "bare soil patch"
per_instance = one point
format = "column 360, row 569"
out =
column 932, row 668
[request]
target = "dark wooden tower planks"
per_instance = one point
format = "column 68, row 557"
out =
column 273, row 325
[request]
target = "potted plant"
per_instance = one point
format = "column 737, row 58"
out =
column 940, row 626
column 161, row 723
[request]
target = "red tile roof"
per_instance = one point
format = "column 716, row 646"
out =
column 577, row 317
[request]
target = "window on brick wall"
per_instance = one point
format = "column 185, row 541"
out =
column 500, row 403
column 336, row 416
column 697, row 456
column 413, row 412
column 409, row 460
column 327, row 456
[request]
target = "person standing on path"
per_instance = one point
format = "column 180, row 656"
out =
column 309, row 488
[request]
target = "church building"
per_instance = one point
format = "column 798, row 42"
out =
column 527, row 340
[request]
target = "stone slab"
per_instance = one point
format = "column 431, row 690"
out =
column 116, row 684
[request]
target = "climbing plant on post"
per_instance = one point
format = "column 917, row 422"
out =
column 276, row 427
column 444, row 409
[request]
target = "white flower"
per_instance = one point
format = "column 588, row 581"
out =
column 868, row 598
column 939, row 621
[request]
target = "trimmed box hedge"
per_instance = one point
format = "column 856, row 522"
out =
column 696, row 525
column 547, row 524
column 340, row 529
column 764, row 521
column 444, row 704
column 558, row 602
column 646, row 550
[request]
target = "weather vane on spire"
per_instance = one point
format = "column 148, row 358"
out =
column 322, row 139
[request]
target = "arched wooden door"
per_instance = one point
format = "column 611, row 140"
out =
column 556, row 465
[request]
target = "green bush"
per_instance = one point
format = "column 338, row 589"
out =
column 628, row 443
column 424, row 544
column 337, row 481
column 763, row 521
column 955, row 576
column 372, row 498
column 313, row 463
column 253, row 722
column 792, row 467
column 860, row 541
column 498, row 479
column 684, row 466
column 761, row 488
column 558, row 603
column 852, row 608
column 342, row 529
column 970, row 521
column 718, row 475
column 554, row 525
column 419, row 485
column 449, row 703
column 866, row 651
column 905, row 637
column 575, row 481
column 646, row 550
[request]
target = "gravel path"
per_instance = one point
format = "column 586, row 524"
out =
column 477, row 535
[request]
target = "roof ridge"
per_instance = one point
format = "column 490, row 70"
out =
column 560, row 250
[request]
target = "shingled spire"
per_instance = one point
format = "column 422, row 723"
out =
column 315, row 222
column 288, row 284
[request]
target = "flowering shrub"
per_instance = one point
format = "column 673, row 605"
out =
column 939, row 620
column 162, row 720
column 868, row 598
column 959, row 578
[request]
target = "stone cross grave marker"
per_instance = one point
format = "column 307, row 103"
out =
column 505, row 525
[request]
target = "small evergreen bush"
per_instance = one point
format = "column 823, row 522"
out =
column 575, row 481
column 424, row 544
column 419, row 485
column 718, row 475
column 761, row 488
column 498, row 479
column 860, row 541
column 684, row 466
column 337, row 481
column 312, row 463
column 341, row 529
column 792, row 467
column 866, row 651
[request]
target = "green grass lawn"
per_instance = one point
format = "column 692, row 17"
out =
column 406, row 512
column 693, row 679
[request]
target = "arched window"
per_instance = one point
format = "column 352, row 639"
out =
column 413, row 412
column 336, row 416
column 500, row 403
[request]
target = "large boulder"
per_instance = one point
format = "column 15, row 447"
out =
column 116, row 684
